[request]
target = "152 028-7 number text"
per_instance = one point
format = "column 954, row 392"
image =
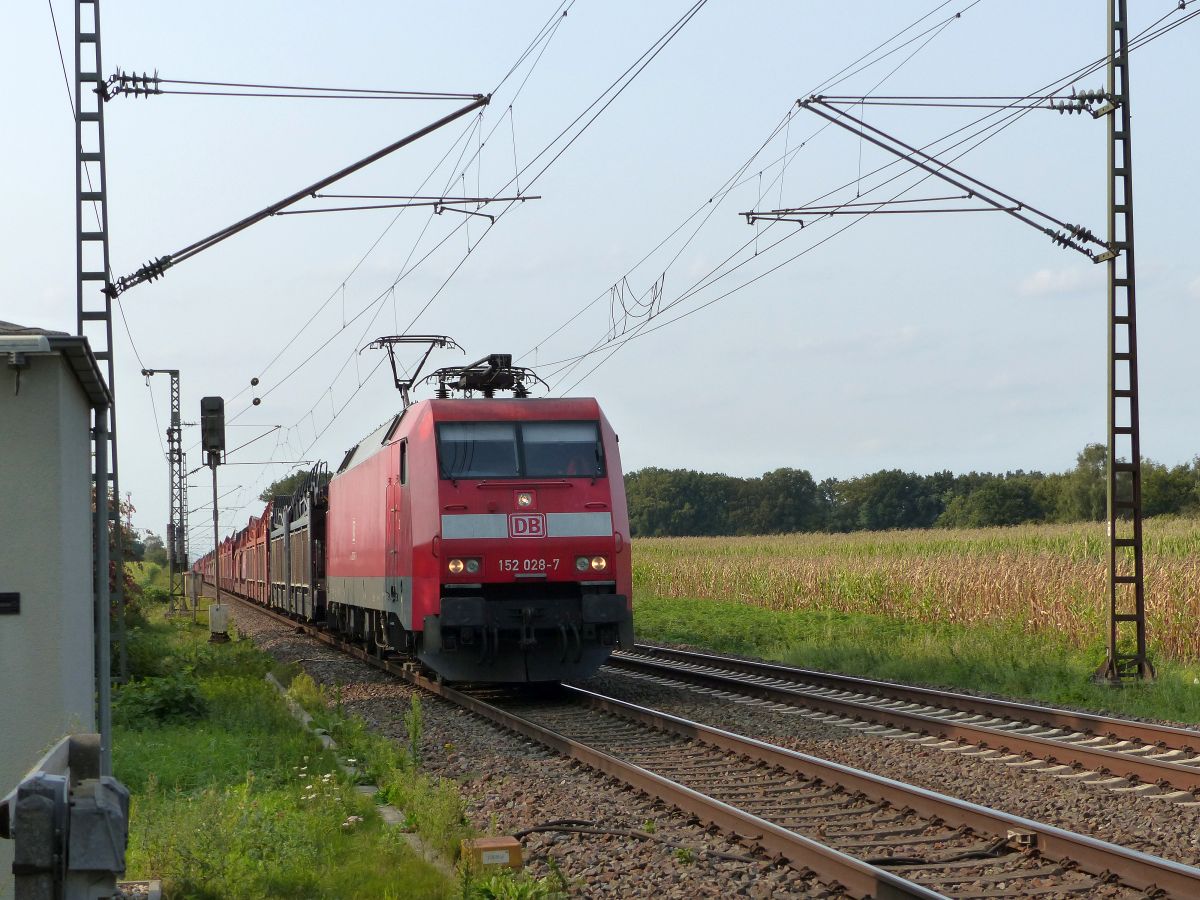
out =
column 529, row 565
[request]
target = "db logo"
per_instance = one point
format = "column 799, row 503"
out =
column 527, row 525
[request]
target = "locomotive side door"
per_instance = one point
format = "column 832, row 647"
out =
column 392, row 564
column 401, row 533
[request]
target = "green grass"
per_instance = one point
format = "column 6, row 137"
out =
column 231, row 797
column 997, row 659
column 148, row 575
column 433, row 806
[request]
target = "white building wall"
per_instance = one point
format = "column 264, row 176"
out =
column 46, row 651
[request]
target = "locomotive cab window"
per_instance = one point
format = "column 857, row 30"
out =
column 517, row 450
column 478, row 450
column 562, row 450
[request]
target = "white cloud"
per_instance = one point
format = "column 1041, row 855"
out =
column 904, row 336
column 1194, row 287
column 866, row 342
column 1050, row 282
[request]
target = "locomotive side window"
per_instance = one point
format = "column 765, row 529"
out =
column 478, row 450
column 562, row 449
column 404, row 462
column 527, row 449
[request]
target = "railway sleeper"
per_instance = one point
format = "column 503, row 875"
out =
column 810, row 811
column 1083, row 888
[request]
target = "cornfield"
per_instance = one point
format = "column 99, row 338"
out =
column 1038, row 578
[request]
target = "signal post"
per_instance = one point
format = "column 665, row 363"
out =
column 212, row 439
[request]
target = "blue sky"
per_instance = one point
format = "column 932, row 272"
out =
column 924, row 343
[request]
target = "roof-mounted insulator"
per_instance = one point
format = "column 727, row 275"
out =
column 493, row 373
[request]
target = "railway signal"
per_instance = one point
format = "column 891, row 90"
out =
column 212, row 428
column 212, row 440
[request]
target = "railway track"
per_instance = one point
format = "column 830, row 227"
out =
column 1125, row 756
column 861, row 833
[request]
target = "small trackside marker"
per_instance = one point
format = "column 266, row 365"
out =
column 493, row 852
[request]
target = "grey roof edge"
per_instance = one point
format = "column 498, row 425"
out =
column 78, row 352
column 15, row 330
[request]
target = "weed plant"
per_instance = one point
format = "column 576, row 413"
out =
column 149, row 575
column 231, row 797
column 156, row 700
column 507, row 885
column 433, row 807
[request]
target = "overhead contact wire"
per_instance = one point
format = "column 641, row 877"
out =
column 998, row 127
column 544, row 36
column 733, row 182
column 705, row 281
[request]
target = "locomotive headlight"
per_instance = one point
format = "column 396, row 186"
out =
column 581, row 563
column 599, row 563
column 455, row 566
column 524, row 499
column 472, row 566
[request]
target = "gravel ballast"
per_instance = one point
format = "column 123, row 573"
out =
column 511, row 784
column 1152, row 826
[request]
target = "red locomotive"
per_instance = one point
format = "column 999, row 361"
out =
column 487, row 537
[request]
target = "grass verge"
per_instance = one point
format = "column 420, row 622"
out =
column 995, row 658
column 231, row 797
column 433, row 806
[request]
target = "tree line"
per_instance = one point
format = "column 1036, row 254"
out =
column 677, row 502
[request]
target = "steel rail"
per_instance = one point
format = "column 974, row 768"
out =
column 1180, row 776
column 857, row 877
column 1138, row 870
column 830, row 865
column 1051, row 717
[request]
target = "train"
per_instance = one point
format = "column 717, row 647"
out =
column 485, row 537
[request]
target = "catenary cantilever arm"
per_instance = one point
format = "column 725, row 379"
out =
column 157, row 268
